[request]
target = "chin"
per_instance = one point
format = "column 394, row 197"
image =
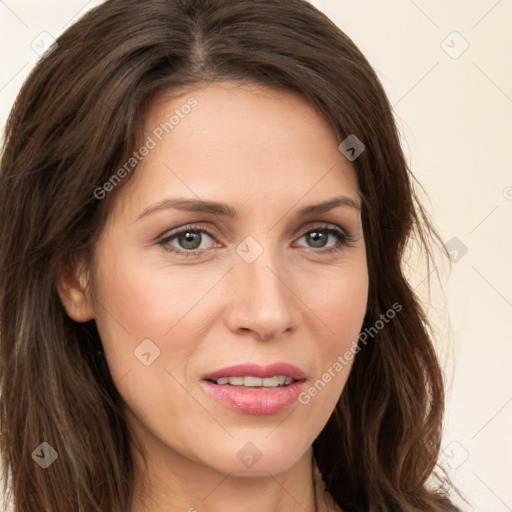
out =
column 258, row 457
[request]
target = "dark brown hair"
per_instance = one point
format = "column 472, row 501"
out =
column 75, row 121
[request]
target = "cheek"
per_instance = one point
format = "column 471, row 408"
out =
column 144, row 316
column 348, row 312
column 146, row 293
column 341, row 303
column 140, row 300
column 135, row 302
column 342, row 308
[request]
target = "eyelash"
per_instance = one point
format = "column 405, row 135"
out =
column 343, row 237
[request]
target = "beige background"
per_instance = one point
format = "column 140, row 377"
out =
column 454, row 108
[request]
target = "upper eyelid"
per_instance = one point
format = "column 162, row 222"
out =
column 187, row 227
column 208, row 230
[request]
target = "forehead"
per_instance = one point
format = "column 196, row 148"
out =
column 228, row 141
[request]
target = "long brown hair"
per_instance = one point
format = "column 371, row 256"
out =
column 75, row 121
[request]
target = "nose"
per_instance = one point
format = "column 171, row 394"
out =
column 262, row 299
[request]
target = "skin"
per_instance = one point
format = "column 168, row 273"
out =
column 266, row 153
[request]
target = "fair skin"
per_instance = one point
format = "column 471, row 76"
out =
column 266, row 154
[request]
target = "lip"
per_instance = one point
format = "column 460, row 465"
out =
column 256, row 400
column 255, row 370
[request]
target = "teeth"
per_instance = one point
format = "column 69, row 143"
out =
column 255, row 382
column 252, row 381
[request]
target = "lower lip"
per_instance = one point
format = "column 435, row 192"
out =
column 256, row 400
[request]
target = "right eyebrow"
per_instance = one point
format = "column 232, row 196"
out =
column 191, row 205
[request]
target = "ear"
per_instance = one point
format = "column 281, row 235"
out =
column 73, row 287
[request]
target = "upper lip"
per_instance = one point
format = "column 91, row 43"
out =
column 255, row 370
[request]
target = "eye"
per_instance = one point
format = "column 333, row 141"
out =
column 319, row 236
column 188, row 241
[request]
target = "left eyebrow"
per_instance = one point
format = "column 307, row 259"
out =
column 325, row 206
column 193, row 205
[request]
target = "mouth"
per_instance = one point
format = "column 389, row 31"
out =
column 277, row 381
column 254, row 389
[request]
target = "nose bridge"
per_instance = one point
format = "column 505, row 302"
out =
column 263, row 300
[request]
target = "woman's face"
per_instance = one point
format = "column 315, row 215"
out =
column 255, row 281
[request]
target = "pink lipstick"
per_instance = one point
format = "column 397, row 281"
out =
column 255, row 389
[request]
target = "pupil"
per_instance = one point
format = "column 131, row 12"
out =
column 317, row 238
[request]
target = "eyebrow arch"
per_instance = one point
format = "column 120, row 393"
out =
column 195, row 205
column 325, row 206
